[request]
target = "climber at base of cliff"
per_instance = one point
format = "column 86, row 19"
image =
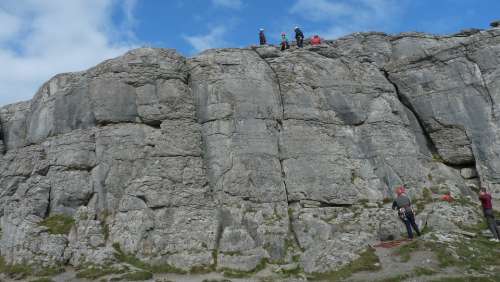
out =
column 485, row 199
column 405, row 211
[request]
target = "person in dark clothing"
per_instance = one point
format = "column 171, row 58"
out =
column 403, row 205
column 299, row 37
column 262, row 37
column 485, row 199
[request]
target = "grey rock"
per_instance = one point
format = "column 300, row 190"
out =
column 268, row 51
column 468, row 173
column 247, row 261
column 468, row 32
column 238, row 156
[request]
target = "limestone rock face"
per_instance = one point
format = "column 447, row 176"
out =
column 238, row 157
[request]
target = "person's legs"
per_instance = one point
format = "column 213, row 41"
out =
column 411, row 218
column 492, row 225
column 408, row 228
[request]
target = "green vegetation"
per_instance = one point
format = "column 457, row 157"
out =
column 397, row 278
column 494, row 278
column 19, row 271
column 103, row 218
column 437, row 158
column 58, row 224
column 292, row 272
column 231, row 273
column 419, row 271
column 50, row 271
column 368, row 261
column 134, row 261
column 476, row 254
column 422, row 271
column 95, row 272
column 134, row 276
column 427, row 195
column 44, row 279
column 404, row 251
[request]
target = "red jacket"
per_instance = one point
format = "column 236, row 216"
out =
column 485, row 200
column 316, row 40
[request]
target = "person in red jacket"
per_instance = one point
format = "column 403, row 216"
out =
column 315, row 40
column 485, row 199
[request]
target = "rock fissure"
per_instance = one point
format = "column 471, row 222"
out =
column 484, row 86
column 404, row 101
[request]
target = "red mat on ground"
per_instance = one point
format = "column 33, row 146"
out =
column 390, row 244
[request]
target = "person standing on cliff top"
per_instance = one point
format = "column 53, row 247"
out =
column 299, row 37
column 284, row 42
column 485, row 199
column 405, row 211
column 262, row 37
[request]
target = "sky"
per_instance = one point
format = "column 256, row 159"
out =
column 40, row 38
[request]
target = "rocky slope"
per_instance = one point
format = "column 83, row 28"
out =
column 238, row 157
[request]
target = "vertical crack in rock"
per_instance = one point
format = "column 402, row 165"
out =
column 279, row 121
column 406, row 103
column 291, row 230
column 484, row 86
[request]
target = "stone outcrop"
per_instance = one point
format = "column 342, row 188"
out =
column 238, row 157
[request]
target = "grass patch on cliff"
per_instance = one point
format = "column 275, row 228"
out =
column 58, row 224
column 43, row 279
column 367, row 261
column 134, row 276
column 95, row 272
column 134, row 261
column 231, row 273
column 50, row 271
column 19, row 271
column 477, row 254
column 405, row 251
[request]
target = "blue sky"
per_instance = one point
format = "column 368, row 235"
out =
column 40, row 38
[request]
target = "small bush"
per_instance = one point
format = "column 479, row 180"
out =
column 58, row 224
column 427, row 195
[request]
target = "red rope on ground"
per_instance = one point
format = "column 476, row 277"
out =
column 390, row 244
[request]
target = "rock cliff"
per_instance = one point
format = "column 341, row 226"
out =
column 238, row 157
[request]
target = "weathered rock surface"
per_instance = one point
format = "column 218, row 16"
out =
column 238, row 157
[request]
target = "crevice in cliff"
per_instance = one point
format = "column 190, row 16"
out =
column 278, row 121
column 406, row 103
column 320, row 203
column 484, row 86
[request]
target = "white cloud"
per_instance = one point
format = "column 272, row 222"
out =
column 232, row 4
column 43, row 38
column 215, row 38
column 10, row 25
column 346, row 16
